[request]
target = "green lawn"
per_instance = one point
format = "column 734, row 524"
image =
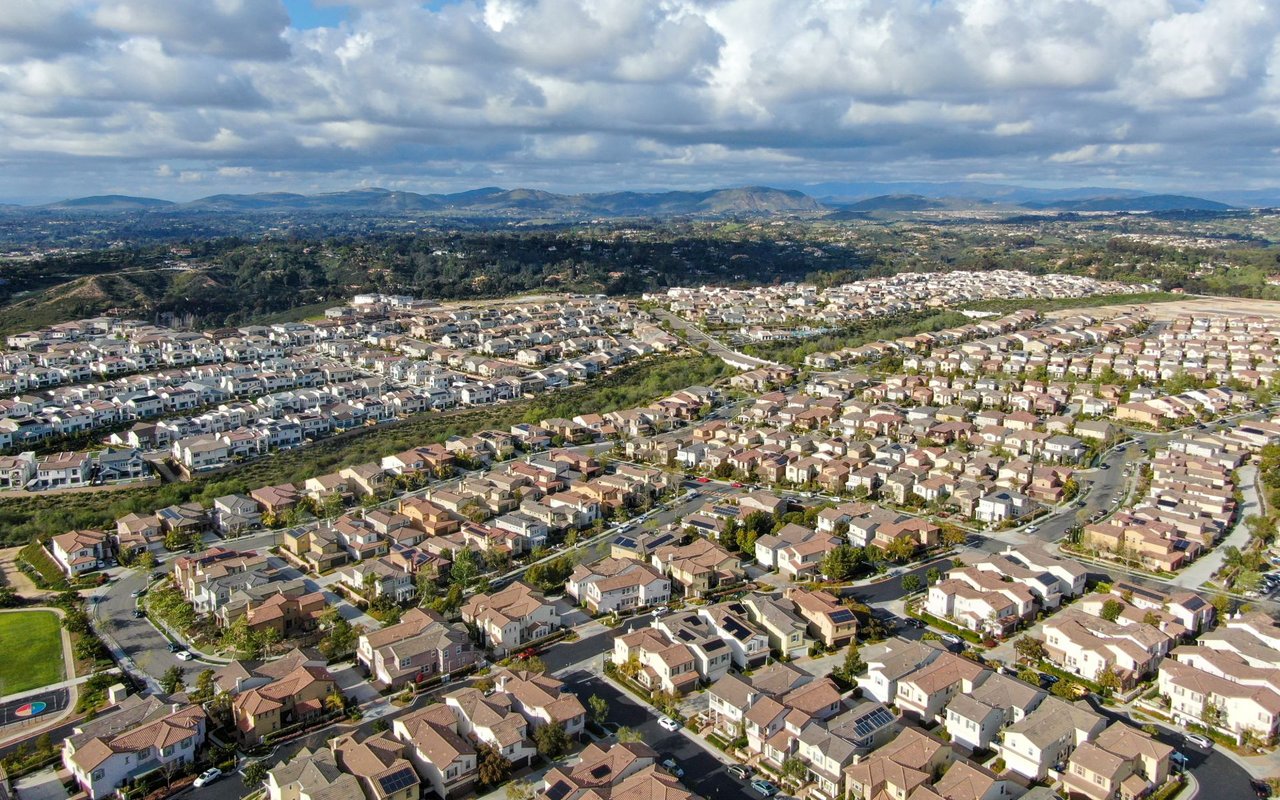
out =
column 30, row 650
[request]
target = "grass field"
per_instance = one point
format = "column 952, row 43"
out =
column 30, row 650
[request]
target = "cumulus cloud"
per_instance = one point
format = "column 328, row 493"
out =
column 227, row 95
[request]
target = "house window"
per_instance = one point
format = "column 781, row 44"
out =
column 98, row 774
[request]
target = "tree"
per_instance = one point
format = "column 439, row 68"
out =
column 340, row 640
column 1029, row 649
column 953, row 536
column 551, row 741
column 521, row 790
column 254, row 774
column 599, row 709
column 1151, row 618
column 1263, row 528
column 87, row 647
column 178, row 539
column 172, row 680
column 204, row 687
column 1211, row 714
column 853, row 663
column 1067, row 690
column 901, row 549
column 9, row 597
column 933, row 575
column 492, row 768
column 841, row 562
column 335, row 701
column 1109, row 680
column 1111, row 610
column 464, row 569
column 629, row 735
column 145, row 562
column 794, row 769
column 910, row 583
column 1029, row 675
column 534, row 664
column 1222, row 604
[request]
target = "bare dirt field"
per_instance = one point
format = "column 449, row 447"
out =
column 1195, row 305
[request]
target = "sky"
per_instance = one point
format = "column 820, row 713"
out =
column 181, row 99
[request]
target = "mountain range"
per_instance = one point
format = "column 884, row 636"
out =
column 837, row 201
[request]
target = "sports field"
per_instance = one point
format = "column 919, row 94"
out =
column 30, row 650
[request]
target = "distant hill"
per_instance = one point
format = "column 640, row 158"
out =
column 896, row 202
column 111, row 202
column 492, row 201
column 1150, row 202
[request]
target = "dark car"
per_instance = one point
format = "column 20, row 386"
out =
column 139, row 613
column 1260, row 788
column 174, row 647
column 917, row 623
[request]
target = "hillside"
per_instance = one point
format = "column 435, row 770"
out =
column 110, row 202
column 1151, row 202
column 489, row 201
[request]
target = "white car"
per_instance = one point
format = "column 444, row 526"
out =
column 207, row 777
column 183, row 655
column 668, row 724
column 1203, row 742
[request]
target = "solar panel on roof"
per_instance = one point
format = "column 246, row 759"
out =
column 557, row 791
column 842, row 616
column 871, row 722
column 400, row 779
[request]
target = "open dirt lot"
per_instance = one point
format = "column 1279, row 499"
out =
column 1196, row 305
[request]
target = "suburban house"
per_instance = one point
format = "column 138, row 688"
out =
column 78, row 552
column 294, row 698
column 419, row 647
column 141, row 736
column 511, row 617
column 618, row 585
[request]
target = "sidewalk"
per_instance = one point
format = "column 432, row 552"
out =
column 53, row 687
column 1202, row 569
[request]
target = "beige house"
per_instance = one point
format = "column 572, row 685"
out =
column 1048, row 736
column 444, row 759
column 1088, row 646
column 380, row 764
column 1122, row 763
column 829, row 621
column 511, row 617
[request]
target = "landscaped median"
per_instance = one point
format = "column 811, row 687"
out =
column 913, row 610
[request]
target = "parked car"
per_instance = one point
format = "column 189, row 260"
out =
column 704, row 480
column 1260, row 788
column 741, row 771
column 207, row 777
column 765, row 788
column 660, row 610
column 951, row 638
column 668, row 724
column 1203, row 742
column 139, row 613
column 183, row 655
column 174, row 647
column 917, row 623
column 1179, row 759
column 139, row 592
column 736, row 485
column 670, row 765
